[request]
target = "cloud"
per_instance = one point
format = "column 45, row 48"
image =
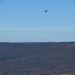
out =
column 18, row 28
column 39, row 29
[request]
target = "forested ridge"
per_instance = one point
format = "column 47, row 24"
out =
column 34, row 58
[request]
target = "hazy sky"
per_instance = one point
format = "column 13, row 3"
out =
column 26, row 21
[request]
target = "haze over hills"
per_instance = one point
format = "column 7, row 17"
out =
column 24, row 58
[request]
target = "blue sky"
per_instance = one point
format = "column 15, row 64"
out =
column 25, row 20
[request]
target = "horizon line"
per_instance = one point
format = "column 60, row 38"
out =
column 42, row 42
